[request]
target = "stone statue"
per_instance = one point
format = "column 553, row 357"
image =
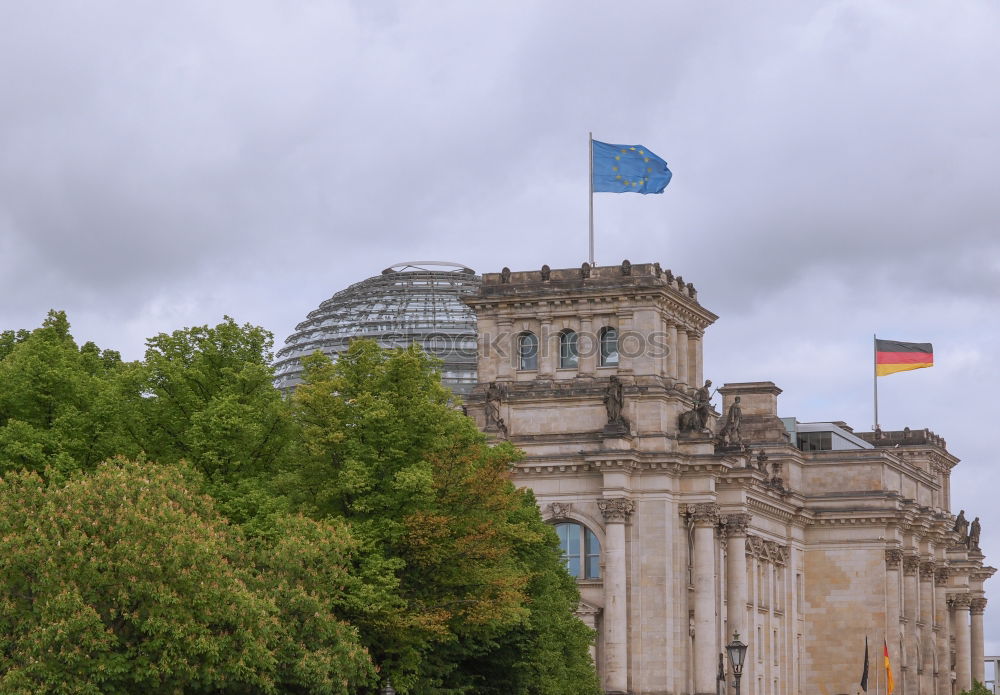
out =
column 974, row 534
column 730, row 433
column 546, row 273
column 762, row 461
column 626, row 267
column 614, row 400
column 505, row 275
column 585, row 270
column 702, row 402
column 494, row 396
column 961, row 527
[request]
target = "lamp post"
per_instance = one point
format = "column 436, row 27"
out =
column 387, row 689
column 737, row 652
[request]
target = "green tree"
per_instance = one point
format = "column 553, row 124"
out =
column 205, row 395
column 125, row 580
column 977, row 689
column 60, row 410
column 478, row 573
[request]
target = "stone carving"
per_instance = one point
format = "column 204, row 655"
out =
column 703, row 513
column 680, row 283
column 974, row 532
column 626, row 267
column 692, row 292
column 893, row 556
column 755, row 546
column 585, row 270
column 762, row 461
column 668, row 275
column 961, row 527
column 657, row 270
column 696, row 419
column 494, row 397
column 505, row 275
column 560, row 510
column 927, row 569
column 614, row 402
column 546, row 273
column 941, row 575
column 729, row 435
column 959, row 601
column 978, row 606
column 736, row 524
column 911, row 563
column 616, row 508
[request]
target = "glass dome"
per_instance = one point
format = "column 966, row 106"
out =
column 414, row 302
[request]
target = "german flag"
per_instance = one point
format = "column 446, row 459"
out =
column 890, row 684
column 892, row 356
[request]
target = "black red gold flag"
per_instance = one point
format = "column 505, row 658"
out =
column 893, row 356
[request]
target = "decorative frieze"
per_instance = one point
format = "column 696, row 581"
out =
column 703, row 513
column 616, row 508
column 977, row 605
column 893, row 556
column 927, row 568
column 767, row 551
column 736, row 524
column 911, row 563
column 559, row 510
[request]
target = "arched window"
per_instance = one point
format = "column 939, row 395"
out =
column 527, row 351
column 609, row 347
column 580, row 549
column 569, row 354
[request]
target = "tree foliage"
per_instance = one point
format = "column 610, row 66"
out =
column 276, row 545
column 125, row 580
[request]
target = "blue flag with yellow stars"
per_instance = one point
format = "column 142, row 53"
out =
column 628, row 168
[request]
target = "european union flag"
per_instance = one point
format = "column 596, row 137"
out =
column 628, row 168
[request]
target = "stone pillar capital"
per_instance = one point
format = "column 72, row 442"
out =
column 616, row 509
column 911, row 563
column 893, row 556
column 941, row 575
column 977, row 605
column 927, row 568
column 959, row 602
column 703, row 513
column 736, row 524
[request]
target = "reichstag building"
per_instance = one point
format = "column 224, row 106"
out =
column 681, row 523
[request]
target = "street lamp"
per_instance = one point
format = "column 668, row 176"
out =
column 737, row 652
column 387, row 689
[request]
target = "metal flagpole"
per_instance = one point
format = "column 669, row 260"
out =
column 590, row 189
column 875, row 376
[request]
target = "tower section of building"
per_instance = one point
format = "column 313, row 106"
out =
column 684, row 523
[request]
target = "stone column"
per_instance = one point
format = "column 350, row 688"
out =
column 589, row 345
column 672, row 354
column 926, row 626
column 617, row 511
column 960, row 604
column 682, row 357
column 736, row 574
column 943, row 631
column 911, row 611
column 893, row 556
column 548, row 349
column 506, row 364
column 977, row 607
column 705, row 517
column 695, row 366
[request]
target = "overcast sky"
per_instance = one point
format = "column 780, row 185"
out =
column 165, row 163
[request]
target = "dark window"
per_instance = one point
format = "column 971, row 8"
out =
column 815, row 441
column 609, row 347
column 580, row 549
column 568, row 350
column 527, row 351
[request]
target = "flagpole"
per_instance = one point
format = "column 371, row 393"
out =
column 875, row 376
column 590, row 190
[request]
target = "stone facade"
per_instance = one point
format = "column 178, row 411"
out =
column 712, row 522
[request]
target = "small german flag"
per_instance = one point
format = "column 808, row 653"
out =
column 892, row 356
